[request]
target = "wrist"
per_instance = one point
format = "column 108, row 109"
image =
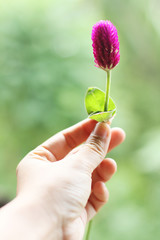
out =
column 27, row 218
column 45, row 222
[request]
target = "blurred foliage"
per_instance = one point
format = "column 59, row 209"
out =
column 46, row 66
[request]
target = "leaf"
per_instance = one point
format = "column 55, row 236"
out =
column 112, row 105
column 94, row 100
column 103, row 116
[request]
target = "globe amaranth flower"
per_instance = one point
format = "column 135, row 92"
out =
column 105, row 45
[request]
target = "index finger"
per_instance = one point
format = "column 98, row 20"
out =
column 63, row 142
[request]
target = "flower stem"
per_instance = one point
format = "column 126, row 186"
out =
column 89, row 230
column 108, row 82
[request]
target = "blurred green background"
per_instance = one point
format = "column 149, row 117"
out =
column 46, row 66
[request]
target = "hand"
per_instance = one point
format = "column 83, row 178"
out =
column 64, row 182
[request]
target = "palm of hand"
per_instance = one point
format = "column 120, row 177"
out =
column 76, row 189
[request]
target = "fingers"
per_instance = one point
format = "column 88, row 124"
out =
column 117, row 137
column 104, row 171
column 97, row 199
column 94, row 150
column 58, row 146
column 99, row 195
column 63, row 142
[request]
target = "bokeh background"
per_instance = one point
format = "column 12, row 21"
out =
column 46, row 66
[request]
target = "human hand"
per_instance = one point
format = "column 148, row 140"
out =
column 66, row 182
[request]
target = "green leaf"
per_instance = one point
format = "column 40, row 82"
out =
column 102, row 116
column 112, row 105
column 94, row 100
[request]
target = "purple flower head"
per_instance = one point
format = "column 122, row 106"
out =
column 105, row 45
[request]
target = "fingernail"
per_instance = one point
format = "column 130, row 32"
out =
column 102, row 130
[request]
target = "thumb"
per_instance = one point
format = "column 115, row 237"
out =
column 94, row 150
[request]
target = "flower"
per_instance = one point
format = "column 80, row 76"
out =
column 105, row 45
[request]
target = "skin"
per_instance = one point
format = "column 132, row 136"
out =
column 61, row 184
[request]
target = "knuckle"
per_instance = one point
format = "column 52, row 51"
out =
column 96, row 145
column 19, row 167
column 41, row 152
column 22, row 166
column 17, row 170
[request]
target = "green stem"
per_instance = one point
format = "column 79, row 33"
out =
column 106, row 106
column 89, row 230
